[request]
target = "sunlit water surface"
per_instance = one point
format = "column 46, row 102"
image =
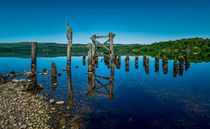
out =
column 135, row 100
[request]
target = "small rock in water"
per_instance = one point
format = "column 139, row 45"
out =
column 59, row 74
column 48, row 77
column 55, row 84
column 63, row 121
column 45, row 73
column 75, row 126
column 52, row 100
column 22, row 80
column 14, row 80
column 76, row 118
column 76, row 66
column 45, row 70
column 66, row 115
column 29, row 80
column 60, row 102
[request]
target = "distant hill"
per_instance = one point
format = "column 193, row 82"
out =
column 190, row 46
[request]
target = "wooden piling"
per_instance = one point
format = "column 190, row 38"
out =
column 156, row 64
column 136, row 62
column 89, row 57
column 70, row 89
column 54, row 76
column 127, row 64
column 69, row 45
column 176, row 69
column 146, row 64
column 111, row 37
column 165, row 65
column 84, row 60
column 181, row 64
column 33, row 63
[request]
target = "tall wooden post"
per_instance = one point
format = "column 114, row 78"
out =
column 69, row 45
column 89, row 57
column 111, row 37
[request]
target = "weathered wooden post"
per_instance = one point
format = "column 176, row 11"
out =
column 84, row 60
column 156, row 64
column 136, row 62
column 70, row 89
column 96, row 61
column 181, row 63
column 33, row 63
column 89, row 57
column 69, row 45
column 165, row 65
column 175, row 71
column 111, row 96
column 146, row 64
column 33, row 56
column 54, row 76
column 127, row 64
column 111, row 37
column 119, row 62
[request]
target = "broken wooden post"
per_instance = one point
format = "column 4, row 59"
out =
column 84, row 60
column 89, row 57
column 33, row 63
column 69, row 45
column 165, row 65
column 33, row 56
column 127, row 64
column 111, row 87
column 181, row 63
column 156, row 64
column 175, row 71
column 111, row 37
column 70, row 89
column 96, row 61
column 146, row 64
column 136, row 62
column 54, row 76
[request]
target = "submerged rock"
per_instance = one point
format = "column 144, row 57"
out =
column 52, row 100
column 15, row 80
column 60, row 102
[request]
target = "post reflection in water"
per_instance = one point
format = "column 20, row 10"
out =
column 84, row 60
column 70, row 89
column 136, row 62
column 93, row 78
column 165, row 65
column 54, row 76
column 181, row 63
column 187, row 64
column 146, row 64
column 176, row 69
column 127, row 64
column 156, row 64
column 118, row 62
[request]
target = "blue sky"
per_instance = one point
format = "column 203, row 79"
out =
column 133, row 21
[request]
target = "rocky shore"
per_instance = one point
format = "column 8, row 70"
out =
column 20, row 110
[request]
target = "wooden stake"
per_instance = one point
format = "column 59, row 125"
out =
column 69, row 45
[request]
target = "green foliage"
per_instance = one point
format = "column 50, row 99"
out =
column 194, row 48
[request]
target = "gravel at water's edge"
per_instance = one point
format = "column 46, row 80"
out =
column 20, row 110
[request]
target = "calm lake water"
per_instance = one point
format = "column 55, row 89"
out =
column 136, row 99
